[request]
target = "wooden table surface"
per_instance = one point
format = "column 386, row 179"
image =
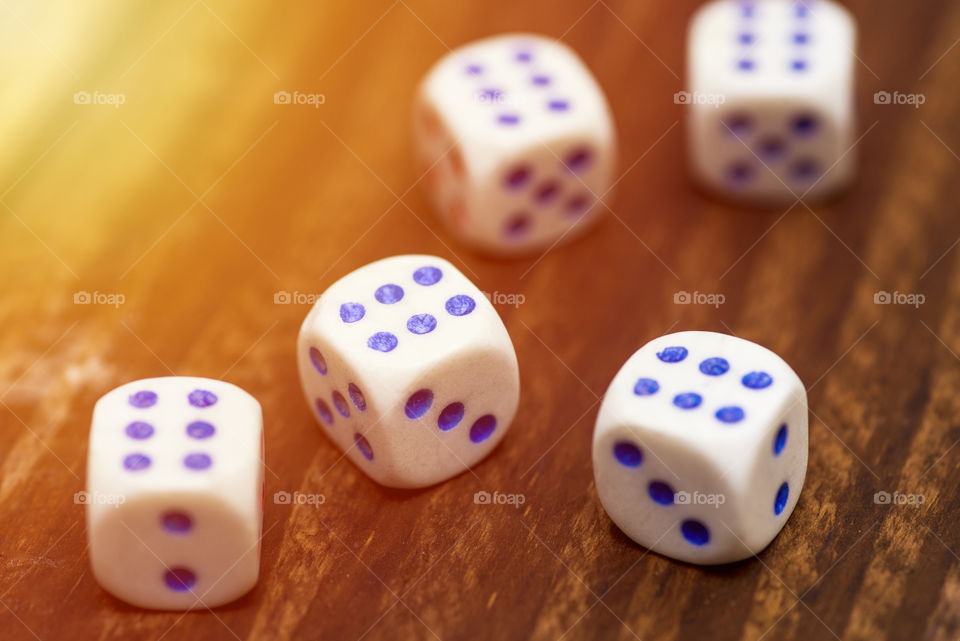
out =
column 184, row 211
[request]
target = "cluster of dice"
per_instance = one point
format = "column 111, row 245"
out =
column 700, row 445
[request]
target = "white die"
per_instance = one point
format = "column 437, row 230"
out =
column 175, row 492
column 700, row 447
column 520, row 139
column 409, row 370
column 771, row 98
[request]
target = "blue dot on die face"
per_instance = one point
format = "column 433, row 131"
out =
column 780, row 502
column 772, row 149
column 661, row 493
column 517, row 177
column 578, row 159
column 389, row 294
column 801, row 38
column 695, row 532
column 427, row 276
column 628, row 454
column 739, row 174
column 421, row 324
column 319, row 362
column 805, row 170
column 200, row 430
column 136, row 462
column 745, row 64
column 732, row 414
column 139, row 430
column 176, row 522
column 804, row 125
column 180, row 579
column 357, row 397
column 780, row 440
column 738, row 124
column 517, row 226
column 382, row 342
column 450, row 416
column 714, row 366
column 482, row 428
column 799, row 65
column 757, row 380
column 202, row 398
column 687, row 400
column 460, row 305
column 143, row 399
column 672, row 354
column 419, row 403
column 341, row 404
column 324, row 411
column 646, row 387
column 351, row 312
column 363, row 445
column 197, row 461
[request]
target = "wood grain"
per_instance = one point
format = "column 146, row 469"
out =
column 198, row 199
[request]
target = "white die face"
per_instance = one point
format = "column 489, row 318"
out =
column 700, row 447
column 186, row 456
column 528, row 137
column 783, row 75
column 409, row 370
